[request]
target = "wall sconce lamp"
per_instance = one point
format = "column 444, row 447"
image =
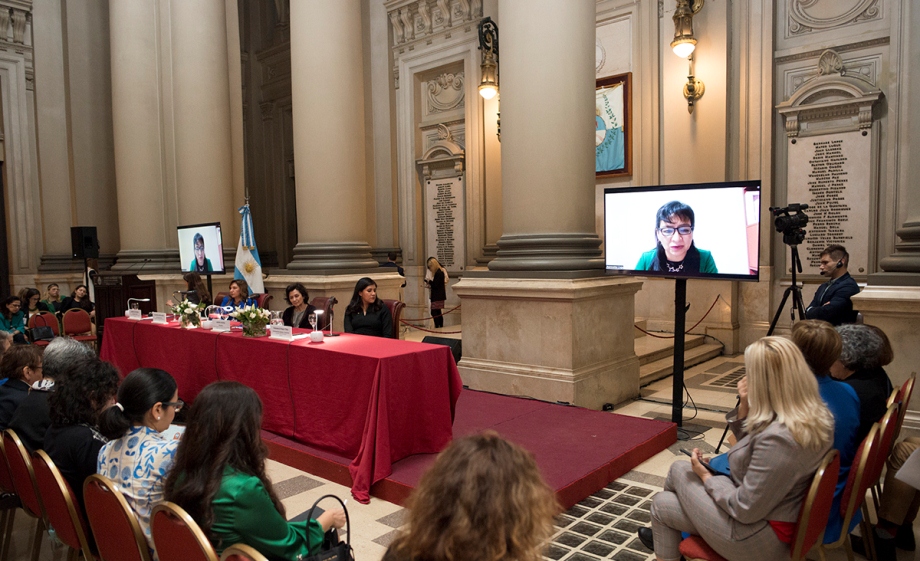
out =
column 488, row 44
column 684, row 44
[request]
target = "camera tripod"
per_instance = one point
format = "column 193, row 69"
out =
column 795, row 290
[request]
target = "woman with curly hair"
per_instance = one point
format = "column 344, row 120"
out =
column 861, row 365
column 483, row 500
column 219, row 478
column 73, row 440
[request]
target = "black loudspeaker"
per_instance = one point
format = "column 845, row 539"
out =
column 456, row 345
column 84, row 243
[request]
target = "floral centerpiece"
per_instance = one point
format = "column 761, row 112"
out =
column 189, row 314
column 254, row 320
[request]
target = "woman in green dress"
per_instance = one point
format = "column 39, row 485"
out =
column 219, row 478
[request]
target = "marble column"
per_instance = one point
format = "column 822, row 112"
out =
column 546, row 79
column 327, row 83
column 201, row 90
column 139, row 164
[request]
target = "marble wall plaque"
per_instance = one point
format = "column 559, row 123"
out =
column 832, row 174
column 444, row 210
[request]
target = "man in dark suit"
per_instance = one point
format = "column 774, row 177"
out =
column 391, row 262
column 832, row 299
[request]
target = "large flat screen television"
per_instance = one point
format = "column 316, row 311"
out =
column 707, row 230
column 201, row 249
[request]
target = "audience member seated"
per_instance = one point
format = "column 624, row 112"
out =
column 12, row 319
column 219, row 478
column 897, row 509
column 6, row 341
column 366, row 314
column 821, row 344
column 239, row 295
column 33, row 416
column 785, row 435
column 137, row 457
column 52, row 298
column 298, row 313
column 832, row 299
column 31, row 302
column 860, row 366
column 21, row 366
column 73, row 440
column 499, row 506
column 79, row 299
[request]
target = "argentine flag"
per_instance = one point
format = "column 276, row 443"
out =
column 248, row 266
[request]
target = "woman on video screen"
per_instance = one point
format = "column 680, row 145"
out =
column 201, row 264
column 675, row 251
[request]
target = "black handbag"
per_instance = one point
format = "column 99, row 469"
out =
column 42, row 333
column 332, row 549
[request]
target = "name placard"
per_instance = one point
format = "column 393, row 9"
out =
column 220, row 325
column 282, row 332
column 133, row 314
column 159, row 317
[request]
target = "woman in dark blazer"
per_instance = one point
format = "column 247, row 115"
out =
column 366, row 314
column 298, row 313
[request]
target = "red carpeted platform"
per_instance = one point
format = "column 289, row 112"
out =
column 578, row 450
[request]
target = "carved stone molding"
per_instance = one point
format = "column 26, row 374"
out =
column 19, row 18
column 868, row 68
column 805, row 16
column 416, row 20
column 445, row 93
column 833, row 94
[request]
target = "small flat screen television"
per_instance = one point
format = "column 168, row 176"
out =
column 707, row 230
column 201, row 249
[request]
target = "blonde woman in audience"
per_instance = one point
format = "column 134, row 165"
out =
column 786, row 433
column 482, row 500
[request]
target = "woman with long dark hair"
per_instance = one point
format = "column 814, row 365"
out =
column 31, row 303
column 198, row 292
column 366, row 314
column 219, row 478
column 298, row 313
column 79, row 298
column 483, row 499
column 239, row 295
column 675, row 251
column 138, row 457
column 12, row 319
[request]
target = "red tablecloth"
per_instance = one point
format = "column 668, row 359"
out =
column 377, row 400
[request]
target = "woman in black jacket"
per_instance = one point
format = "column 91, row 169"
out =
column 366, row 314
column 298, row 313
column 438, row 286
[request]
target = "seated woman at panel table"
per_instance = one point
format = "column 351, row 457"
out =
column 79, row 299
column 752, row 514
column 298, row 313
column 219, row 479
column 138, row 457
column 366, row 314
column 500, row 507
column 675, row 251
column 239, row 295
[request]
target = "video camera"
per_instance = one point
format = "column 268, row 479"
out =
column 789, row 222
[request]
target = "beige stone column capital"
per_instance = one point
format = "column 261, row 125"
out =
column 546, row 80
column 327, row 83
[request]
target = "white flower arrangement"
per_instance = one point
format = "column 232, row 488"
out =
column 253, row 318
column 188, row 312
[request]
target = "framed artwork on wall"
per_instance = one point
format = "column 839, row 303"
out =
column 613, row 126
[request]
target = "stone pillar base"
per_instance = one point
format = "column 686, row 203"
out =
column 332, row 256
column 568, row 340
column 896, row 310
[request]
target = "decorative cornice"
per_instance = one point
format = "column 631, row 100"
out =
column 445, row 92
column 839, row 49
column 802, row 21
column 417, row 20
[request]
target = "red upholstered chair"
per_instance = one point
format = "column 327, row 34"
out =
column 241, row 552
column 78, row 325
column 177, row 537
column 45, row 319
column 118, row 534
column 61, row 509
column 262, row 299
column 324, row 303
column 8, row 504
column 396, row 309
column 888, row 426
column 20, row 465
column 854, row 493
column 219, row 297
column 813, row 516
column 907, row 390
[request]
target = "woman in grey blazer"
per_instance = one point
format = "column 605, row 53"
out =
column 787, row 431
